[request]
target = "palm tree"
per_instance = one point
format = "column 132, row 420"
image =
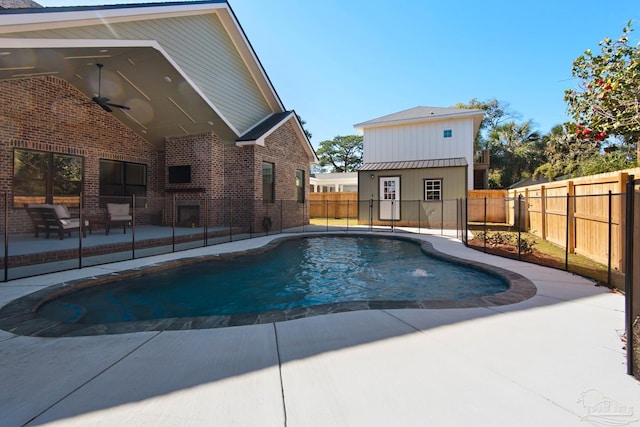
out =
column 516, row 151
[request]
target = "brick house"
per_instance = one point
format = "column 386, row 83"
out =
column 157, row 100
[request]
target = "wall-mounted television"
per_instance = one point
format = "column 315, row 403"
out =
column 179, row 174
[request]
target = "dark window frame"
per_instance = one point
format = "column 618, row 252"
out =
column 114, row 189
column 52, row 185
column 269, row 188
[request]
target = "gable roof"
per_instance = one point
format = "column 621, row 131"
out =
column 182, row 67
column 421, row 114
column 264, row 128
column 259, row 133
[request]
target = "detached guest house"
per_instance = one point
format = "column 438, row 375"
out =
column 155, row 100
column 414, row 161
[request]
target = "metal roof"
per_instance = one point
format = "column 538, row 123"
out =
column 416, row 164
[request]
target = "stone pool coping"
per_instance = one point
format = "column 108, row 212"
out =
column 20, row 317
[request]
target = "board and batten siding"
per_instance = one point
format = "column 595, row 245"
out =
column 420, row 141
column 219, row 71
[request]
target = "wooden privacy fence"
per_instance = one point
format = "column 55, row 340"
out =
column 333, row 205
column 584, row 215
column 495, row 203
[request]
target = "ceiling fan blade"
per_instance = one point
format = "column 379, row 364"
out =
column 122, row 107
column 103, row 101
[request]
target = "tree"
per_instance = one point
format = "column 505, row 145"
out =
column 569, row 152
column 566, row 151
column 607, row 101
column 516, row 152
column 302, row 123
column 341, row 154
column 496, row 113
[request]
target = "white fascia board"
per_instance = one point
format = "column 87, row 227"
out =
column 365, row 125
column 63, row 43
column 34, row 21
column 313, row 159
column 260, row 141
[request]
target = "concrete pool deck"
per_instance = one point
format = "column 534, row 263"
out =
column 554, row 359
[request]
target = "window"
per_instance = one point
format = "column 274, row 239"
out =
column 45, row 177
column 448, row 133
column 121, row 179
column 268, row 182
column 433, row 189
column 300, row 186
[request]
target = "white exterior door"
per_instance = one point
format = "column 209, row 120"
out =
column 390, row 198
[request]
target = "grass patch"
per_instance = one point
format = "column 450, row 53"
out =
column 550, row 255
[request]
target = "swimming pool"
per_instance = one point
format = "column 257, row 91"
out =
column 289, row 278
column 297, row 273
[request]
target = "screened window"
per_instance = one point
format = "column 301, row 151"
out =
column 433, row 189
column 448, row 133
column 45, row 177
column 300, row 186
column 268, row 182
column 121, row 179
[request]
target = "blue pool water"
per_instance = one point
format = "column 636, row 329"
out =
column 297, row 273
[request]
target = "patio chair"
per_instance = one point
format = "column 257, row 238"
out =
column 118, row 214
column 48, row 218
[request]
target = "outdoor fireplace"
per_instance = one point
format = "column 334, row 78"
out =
column 188, row 215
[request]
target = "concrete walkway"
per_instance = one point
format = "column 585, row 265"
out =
column 555, row 359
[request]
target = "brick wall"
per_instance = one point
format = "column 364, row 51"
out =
column 243, row 178
column 48, row 114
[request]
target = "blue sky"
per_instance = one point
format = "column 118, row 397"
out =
column 341, row 62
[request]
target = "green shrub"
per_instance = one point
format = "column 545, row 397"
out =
column 527, row 244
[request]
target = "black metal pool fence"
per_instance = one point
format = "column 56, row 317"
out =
column 591, row 235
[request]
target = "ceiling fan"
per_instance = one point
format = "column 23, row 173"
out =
column 102, row 101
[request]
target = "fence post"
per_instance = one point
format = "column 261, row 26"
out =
column 348, row 214
column 543, row 212
column 442, row 217
column 566, row 238
column 206, row 220
column 326, row 210
column 6, row 236
column 485, row 224
column 466, row 221
column 519, row 224
column 609, row 242
column 173, row 222
column 82, row 230
column 628, row 276
column 133, row 226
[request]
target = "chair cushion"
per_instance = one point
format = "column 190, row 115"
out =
column 69, row 224
column 118, row 209
column 62, row 212
column 121, row 217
